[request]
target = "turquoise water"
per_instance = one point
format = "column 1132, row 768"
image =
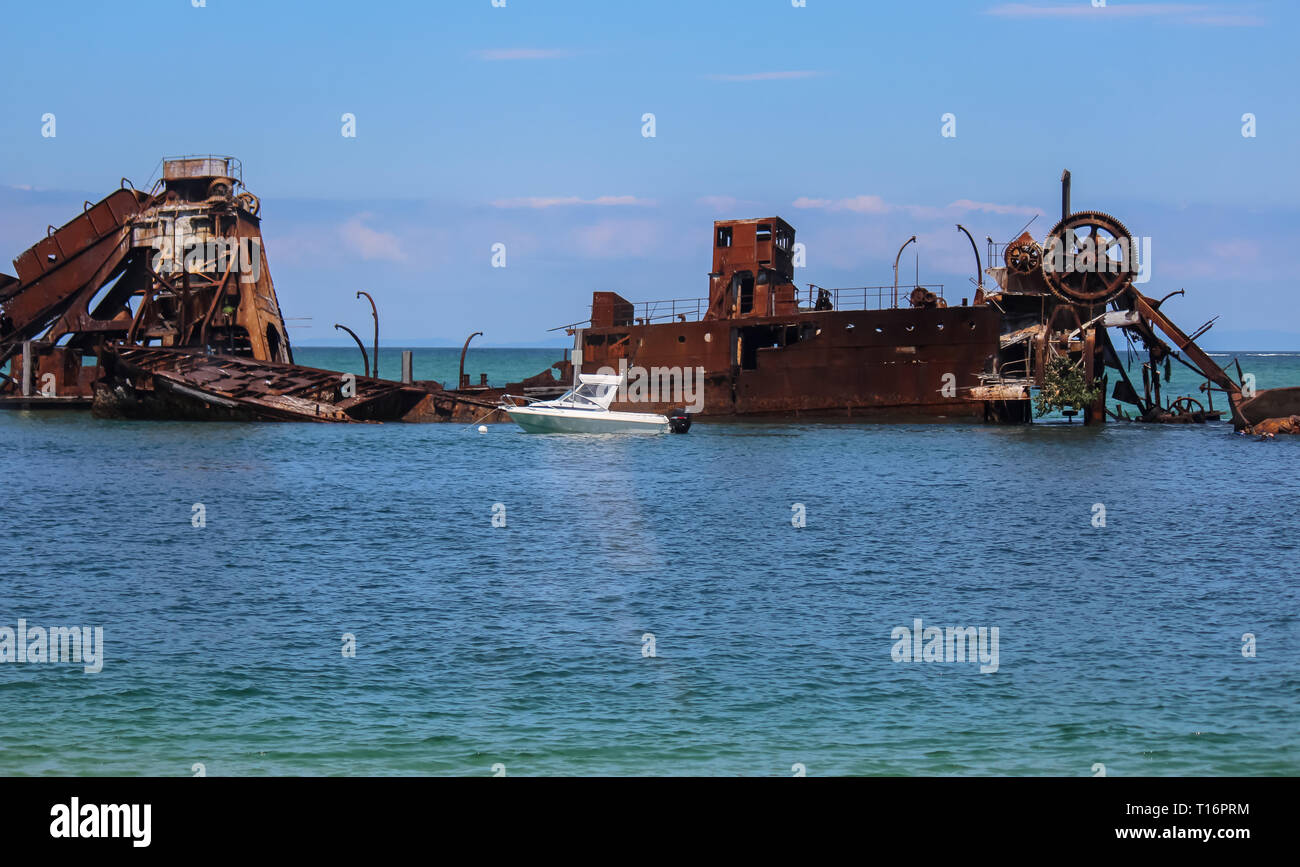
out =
column 523, row 645
column 439, row 364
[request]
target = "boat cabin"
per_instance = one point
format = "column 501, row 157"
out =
column 594, row 391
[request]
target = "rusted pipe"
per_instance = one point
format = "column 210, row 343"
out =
column 979, row 269
column 460, row 380
column 896, row 258
column 1065, row 194
column 183, row 331
column 360, row 346
column 27, row 368
column 374, row 311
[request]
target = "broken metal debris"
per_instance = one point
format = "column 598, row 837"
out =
column 169, row 294
column 175, row 383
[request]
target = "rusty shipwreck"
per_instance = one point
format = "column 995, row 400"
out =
column 766, row 348
column 160, row 304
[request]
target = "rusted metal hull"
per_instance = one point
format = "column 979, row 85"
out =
column 1274, row 403
column 873, row 363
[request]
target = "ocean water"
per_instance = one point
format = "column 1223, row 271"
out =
column 440, row 364
column 526, row 645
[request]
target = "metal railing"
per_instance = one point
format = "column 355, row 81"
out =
column 645, row 312
column 865, row 297
column 678, row 309
column 203, row 166
column 693, row 309
column 996, row 254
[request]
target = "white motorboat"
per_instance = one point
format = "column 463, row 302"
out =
column 585, row 409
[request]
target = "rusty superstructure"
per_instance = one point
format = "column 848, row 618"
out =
column 161, row 305
column 764, row 353
column 846, row 351
column 765, row 348
column 180, row 266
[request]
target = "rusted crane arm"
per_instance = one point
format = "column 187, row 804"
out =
column 1212, row 371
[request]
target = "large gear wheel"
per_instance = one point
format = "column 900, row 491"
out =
column 1089, row 258
column 249, row 202
column 1023, row 256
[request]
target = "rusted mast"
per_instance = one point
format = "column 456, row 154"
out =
column 374, row 311
column 461, row 382
column 896, row 258
column 979, row 270
column 360, row 346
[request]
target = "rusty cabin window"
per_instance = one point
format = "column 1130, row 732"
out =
column 273, row 342
column 783, row 240
column 724, row 236
column 746, row 292
column 764, row 233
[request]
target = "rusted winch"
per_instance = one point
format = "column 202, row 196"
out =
column 1089, row 258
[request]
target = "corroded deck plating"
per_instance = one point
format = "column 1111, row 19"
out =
column 175, row 383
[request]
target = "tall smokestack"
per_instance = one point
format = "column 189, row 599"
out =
column 1065, row 194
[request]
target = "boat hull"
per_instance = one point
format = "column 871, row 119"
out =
column 539, row 421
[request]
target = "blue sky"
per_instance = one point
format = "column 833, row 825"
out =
column 522, row 125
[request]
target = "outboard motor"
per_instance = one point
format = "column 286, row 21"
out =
column 679, row 420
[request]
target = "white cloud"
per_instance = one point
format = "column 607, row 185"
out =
column 966, row 205
column 849, row 245
column 856, row 204
column 369, row 243
column 618, row 238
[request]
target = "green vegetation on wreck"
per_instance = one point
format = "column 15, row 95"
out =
column 1064, row 385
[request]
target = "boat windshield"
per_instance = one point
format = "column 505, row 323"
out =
column 601, row 394
column 588, row 396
